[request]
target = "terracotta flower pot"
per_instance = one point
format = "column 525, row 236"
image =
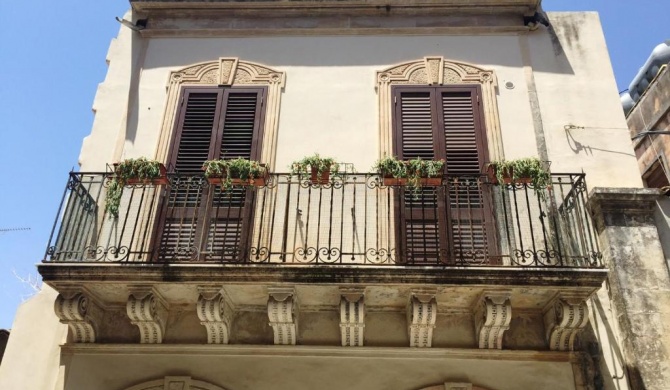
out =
column 161, row 180
column 320, row 179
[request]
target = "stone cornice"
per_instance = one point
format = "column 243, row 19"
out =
column 488, row 6
column 632, row 200
column 57, row 274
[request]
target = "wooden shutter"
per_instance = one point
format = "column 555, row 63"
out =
column 464, row 153
column 443, row 123
column 461, row 132
column 230, row 211
column 212, row 123
column 423, row 232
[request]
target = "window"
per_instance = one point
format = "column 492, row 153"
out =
column 202, row 221
column 447, row 223
column 656, row 176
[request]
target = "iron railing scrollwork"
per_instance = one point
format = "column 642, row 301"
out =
column 353, row 219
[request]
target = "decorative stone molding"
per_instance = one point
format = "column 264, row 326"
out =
column 422, row 314
column 175, row 383
column 281, row 307
column 564, row 318
column 80, row 313
column 215, row 313
column 226, row 71
column 148, row 311
column 493, row 315
column 352, row 317
column 438, row 71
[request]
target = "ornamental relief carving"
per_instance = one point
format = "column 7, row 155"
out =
column 227, row 71
column 175, row 383
column 454, row 386
column 436, row 70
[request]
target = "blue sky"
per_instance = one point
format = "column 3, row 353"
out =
column 53, row 57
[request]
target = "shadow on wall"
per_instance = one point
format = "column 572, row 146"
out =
column 4, row 337
column 662, row 217
column 138, row 47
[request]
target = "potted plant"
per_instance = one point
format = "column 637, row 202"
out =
column 412, row 173
column 529, row 170
column 318, row 167
column 132, row 172
column 240, row 171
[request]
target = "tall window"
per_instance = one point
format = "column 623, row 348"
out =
column 447, row 223
column 212, row 123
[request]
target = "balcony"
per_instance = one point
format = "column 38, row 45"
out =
column 354, row 219
column 452, row 249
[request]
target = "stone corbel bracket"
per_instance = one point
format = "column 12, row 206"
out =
column 493, row 315
column 148, row 311
column 564, row 318
column 215, row 314
column 81, row 313
column 422, row 315
column 282, row 304
column 352, row 317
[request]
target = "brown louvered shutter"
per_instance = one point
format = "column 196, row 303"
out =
column 196, row 132
column 204, row 222
column 231, row 211
column 465, row 154
column 422, row 236
column 442, row 123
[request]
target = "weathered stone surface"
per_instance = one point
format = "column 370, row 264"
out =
column 639, row 280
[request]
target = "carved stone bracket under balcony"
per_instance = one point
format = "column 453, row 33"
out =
column 80, row 313
column 422, row 314
column 352, row 317
column 564, row 318
column 148, row 310
column 282, row 304
column 215, row 313
column 493, row 315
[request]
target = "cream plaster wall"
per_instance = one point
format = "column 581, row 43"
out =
column 575, row 86
column 32, row 357
column 308, row 368
column 329, row 104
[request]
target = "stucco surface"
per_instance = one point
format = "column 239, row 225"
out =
column 330, row 100
column 267, row 368
column 32, row 357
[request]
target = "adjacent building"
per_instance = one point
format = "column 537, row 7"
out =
column 352, row 282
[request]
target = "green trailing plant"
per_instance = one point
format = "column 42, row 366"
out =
column 228, row 170
column 413, row 170
column 316, row 162
column 141, row 169
column 529, row 167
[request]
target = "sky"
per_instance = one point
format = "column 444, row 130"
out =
column 53, row 58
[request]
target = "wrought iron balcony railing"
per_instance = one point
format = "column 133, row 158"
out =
column 354, row 219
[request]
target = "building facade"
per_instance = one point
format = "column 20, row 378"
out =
column 352, row 282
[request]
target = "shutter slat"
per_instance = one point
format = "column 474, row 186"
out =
column 196, row 133
column 460, row 133
column 239, row 125
column 416, row 122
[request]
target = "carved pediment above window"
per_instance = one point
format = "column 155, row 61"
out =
column 227, row 71
column 436, row 71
